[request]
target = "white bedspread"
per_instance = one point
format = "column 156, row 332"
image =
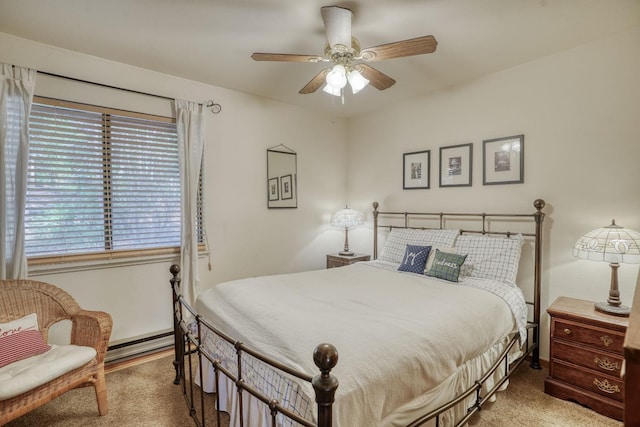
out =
column 398, row 335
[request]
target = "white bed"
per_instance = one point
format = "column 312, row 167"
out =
column 407, row 342
column 371, row 314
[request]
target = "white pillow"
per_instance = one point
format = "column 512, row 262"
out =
column 490, row 257
column 399, row 238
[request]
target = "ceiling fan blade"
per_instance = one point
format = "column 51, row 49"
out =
column 411, row 47
column 315, row 82
column 376, row 78
column 285, row 57
column 337, row 24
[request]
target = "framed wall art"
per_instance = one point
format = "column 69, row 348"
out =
column 286, row 187
column 456, row 162
column 416, row 170
column 274, row 189
column 503, row 160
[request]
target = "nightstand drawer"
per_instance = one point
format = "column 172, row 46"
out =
column 590, row 335
column 603, row 362
column 333, row 263
column 337, row 260
column 604, row 385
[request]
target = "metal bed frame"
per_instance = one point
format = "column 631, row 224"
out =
column 189, row 326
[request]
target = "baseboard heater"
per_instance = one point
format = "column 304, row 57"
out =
column 137, row 346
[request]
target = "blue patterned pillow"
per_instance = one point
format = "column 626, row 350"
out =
column 414, row 259
column 446, row 266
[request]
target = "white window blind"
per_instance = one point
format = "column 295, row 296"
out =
column 101, row 181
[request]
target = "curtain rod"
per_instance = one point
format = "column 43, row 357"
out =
column 215, row 108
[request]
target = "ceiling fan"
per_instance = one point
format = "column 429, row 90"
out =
column 350, row 61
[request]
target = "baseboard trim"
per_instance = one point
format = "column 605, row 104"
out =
column 138, row 360
column 134, row 347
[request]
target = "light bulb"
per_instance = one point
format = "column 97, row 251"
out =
column 357, row 81
column 337, row 77
column 332, row 90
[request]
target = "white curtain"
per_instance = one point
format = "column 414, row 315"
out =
column 16, row 95
column 190, row 127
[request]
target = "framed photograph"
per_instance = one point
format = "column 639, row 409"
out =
column 456, row 163
column 286, row 190
column 274, row 189
column 503, row 160
column 416, row 170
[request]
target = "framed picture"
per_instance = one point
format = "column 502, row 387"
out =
column 456, row 165
column 503, row 160
column 416, row 170
column 274, row 189
column 286, row 190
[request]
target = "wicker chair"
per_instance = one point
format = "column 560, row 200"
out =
column 19, row 298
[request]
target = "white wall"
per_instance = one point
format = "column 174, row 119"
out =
column 246, row 238
column 580, row 113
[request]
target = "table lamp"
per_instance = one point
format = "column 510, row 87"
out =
column 347, row 218
column 616, row 245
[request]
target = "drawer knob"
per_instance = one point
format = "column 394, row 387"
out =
column 567, row 331
column 606, row 340
column 606, row 386
column 607, row 364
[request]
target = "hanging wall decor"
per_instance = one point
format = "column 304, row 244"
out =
column 503, row 160
column 282, row 173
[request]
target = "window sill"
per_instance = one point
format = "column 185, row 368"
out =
column 75, row 266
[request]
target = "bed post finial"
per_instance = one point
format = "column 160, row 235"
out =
column 325, row 356
column 174, row 270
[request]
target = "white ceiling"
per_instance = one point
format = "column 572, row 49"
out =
column 212, row 40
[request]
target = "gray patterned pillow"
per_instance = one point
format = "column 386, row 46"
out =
column 446, row 266
column 490, row 257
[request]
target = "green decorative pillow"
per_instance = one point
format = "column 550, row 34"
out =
column 446, row 266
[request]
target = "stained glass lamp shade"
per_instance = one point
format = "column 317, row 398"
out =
column 616, row 245
column 347, row 218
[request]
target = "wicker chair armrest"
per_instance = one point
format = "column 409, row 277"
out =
column 92, row 329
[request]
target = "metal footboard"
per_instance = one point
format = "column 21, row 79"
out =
column 188, row 327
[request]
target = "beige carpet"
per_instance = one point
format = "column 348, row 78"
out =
column 144, row 395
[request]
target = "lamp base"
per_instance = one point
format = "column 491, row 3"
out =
column 346, row 253
column 616, row 310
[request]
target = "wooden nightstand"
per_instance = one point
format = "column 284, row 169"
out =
column 337, row 260
column 586, row 356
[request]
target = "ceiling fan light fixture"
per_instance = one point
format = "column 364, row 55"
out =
column 337, row 77
column 343, row 50
column 357, row 81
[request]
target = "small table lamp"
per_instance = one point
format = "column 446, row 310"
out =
column 616, row 245
column 347, row 218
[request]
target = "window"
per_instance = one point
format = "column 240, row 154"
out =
column 101, row 181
